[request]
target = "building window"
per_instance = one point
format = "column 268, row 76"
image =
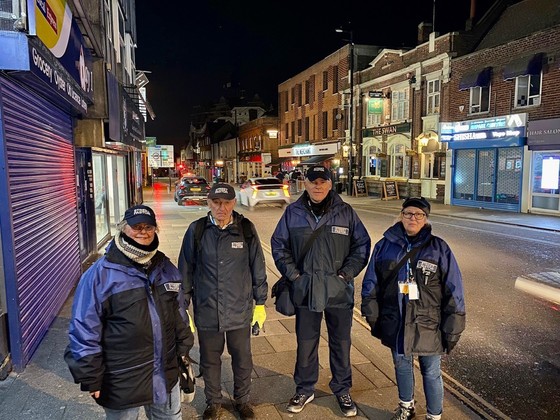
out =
column 325, row 124
column 307, row 91
column 528, row 90
column 299, row 94
column 306, row 128
column 335, row 121
column 399, row 105
column 480, row 99
column 299, row 127
column 325, row 80
column 432, row 106
column 399, row 162
column 335, row 79
column 293, row 131
column 287, row 133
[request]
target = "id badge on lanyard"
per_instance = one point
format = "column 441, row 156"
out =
column 409, row 287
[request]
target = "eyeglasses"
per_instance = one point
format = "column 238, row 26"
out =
column 140, row 228
column 409, row 215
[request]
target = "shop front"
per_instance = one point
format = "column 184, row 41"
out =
column 543, row 141
column 42, row 93
column 487, row 161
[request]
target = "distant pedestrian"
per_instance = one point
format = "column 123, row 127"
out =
column 417, row 309
column 223, row 268
column 323, row 284
column 129, row 326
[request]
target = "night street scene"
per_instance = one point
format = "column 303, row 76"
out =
column 109, row 106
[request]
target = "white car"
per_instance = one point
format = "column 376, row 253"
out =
column 263, row 190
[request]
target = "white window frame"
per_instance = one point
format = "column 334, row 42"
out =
column 433, row 96
column 374, row 120
column 531, row 100
column 477, row 92
column 400, row 104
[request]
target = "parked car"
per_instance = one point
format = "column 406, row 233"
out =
column 191, row 187
column 263, row 190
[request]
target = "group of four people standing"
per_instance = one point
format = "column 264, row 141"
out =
column 129, row 328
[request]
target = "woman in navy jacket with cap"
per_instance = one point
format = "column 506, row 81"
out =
column 129, row 326
column 420, row 310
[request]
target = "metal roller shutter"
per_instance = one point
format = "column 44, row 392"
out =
column 42, row 192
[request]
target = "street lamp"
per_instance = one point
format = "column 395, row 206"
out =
column 351, row 114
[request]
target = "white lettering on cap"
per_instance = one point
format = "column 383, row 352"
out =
column 318, row 169
column 221, row 190
column 142, row 211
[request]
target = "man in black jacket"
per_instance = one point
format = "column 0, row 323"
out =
column 223, row 273
column 323, row 283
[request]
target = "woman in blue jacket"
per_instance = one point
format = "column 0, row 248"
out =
column 129, row 326
column 418, row 310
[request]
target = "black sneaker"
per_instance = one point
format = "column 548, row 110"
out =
column 298, row 401
column 212, row 412
column 245, row 410
column 346, row 405
column 404, row 413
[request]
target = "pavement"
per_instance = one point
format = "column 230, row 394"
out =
column 45, row 389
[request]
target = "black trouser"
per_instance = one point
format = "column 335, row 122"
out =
column 211, row 350
column 308, row 332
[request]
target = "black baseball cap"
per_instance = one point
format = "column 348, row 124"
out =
column 221, row 190
column 140, row 214
column 318, row 171
column 419, row 202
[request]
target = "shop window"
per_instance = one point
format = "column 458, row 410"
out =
column 546, row 172
column 432, row 106
column 480, row 99
column 528, row 90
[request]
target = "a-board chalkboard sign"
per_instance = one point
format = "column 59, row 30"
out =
column 360, row 188
column 390, row 190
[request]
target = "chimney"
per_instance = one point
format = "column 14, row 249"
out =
column 472, row 14
column 424, row 30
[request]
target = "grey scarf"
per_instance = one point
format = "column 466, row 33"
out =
column 136, row 254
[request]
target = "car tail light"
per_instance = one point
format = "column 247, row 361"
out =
column 286, row 191
column 255, row 191
column 181, row 187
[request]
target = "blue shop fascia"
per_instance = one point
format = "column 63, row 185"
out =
column 487, row 165
column 43, row 91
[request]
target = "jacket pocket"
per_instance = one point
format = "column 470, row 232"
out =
column 338, row 291
column 427, row 336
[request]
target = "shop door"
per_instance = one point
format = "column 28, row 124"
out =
column 485, row 175
column 86, row 210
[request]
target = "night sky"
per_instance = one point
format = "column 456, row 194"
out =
column 194, row 48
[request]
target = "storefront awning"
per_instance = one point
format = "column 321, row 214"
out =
column 315, row 160
column 524, row 66
column 480, row 78
column 278, row 161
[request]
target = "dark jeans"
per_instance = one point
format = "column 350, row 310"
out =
column 308, row 332
column 211, row 350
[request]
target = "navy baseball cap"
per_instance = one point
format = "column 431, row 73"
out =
column 221, row 190
column 140, row 214
column 419, row 202
column 318, row 171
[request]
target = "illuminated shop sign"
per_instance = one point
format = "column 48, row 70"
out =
column 489, row 128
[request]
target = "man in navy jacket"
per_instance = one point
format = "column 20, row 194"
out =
column 323, row 283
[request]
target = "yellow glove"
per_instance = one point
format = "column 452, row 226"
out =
column 259, row 315
column 191, row 323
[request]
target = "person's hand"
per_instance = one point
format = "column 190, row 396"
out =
column 259, row 316
column 449, row 346
column 343, row 276
column 371, row 321
column 95, row 394
column 191, row 322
